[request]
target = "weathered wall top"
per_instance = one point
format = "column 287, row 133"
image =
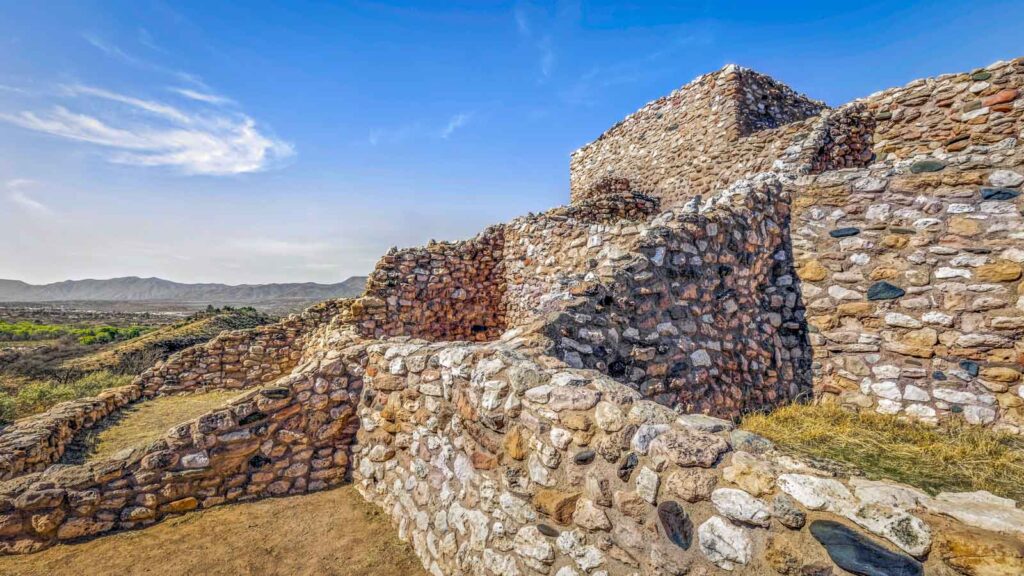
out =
column 684, row 144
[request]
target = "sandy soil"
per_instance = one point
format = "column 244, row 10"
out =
column 333, row 533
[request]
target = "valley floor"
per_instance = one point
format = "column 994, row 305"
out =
column 332, row 533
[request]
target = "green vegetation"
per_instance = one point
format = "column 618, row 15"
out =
column 950, row 457
column 85, row 354
column 37, row 396
column 87, row 335
column 135, row 355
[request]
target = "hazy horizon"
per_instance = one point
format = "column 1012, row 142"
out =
column 261, row 143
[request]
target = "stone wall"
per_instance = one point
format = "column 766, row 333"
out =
column 700, row 310
column 235, row 359
column 288, row 438
column 238, row 359
column 912, row 282
column 916, row 187
column 491, row 459
column 443, row 291
column 949, row 113
column 697, row 140
column 33, row 443
column 546, row 254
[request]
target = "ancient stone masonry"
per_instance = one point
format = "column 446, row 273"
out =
column 492, row 460
column 288, row 438
column 699, row 309
column 906, row 228
column 234, row 360
column 557, row 395
column 446, row 291
column 697, row 140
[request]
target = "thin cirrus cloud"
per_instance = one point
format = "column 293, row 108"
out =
column 542, row 44
column 420, row 130
column 202, row 96
column 17, row 194
column 456, row 122
column 210, row 140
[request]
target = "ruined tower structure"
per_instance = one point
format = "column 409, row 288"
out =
column 558, row 394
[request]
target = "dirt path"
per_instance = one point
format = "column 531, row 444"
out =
column 333, row 533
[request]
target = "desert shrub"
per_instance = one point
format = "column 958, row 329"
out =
column 29, row 331
column 37, row 396
column 8, row 408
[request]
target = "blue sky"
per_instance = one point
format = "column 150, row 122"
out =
column 274, row 142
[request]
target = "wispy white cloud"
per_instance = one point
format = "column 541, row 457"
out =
column 522, row 20
column 215, row 142
column 456, row 122
column 111, row 49
column 17, row 194
column 147, row 40
column 542, row 44
column 420, row 130
column 198, row 96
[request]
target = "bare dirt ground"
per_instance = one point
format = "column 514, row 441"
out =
column 333, row 533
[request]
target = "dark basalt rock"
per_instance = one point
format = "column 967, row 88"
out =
column 626, row 470
column 547, row 530
column 676, row 524
column 981, row 75
column 585, row 457
column 999, row 193
column 927, row 166
column 938, row 375
column 252, row 418
column 884, row 291
column 970, row 367
column 276, row 393
column 258, row 461
column 858, row 555
column 844, row 232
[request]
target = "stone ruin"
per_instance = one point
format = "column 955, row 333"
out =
column 557, row 395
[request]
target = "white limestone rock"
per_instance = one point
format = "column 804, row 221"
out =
column 739, row 506
column 725, row 545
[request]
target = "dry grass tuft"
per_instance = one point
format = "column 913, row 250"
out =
column 951, row 457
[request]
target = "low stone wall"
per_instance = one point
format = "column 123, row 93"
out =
column 33, row 443
column 289, row 438
column 912, row 277
column 233, row 360
column 239, row 358
column 492, row 460
column 700, row 309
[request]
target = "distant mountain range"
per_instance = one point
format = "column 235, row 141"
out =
column 156, row 289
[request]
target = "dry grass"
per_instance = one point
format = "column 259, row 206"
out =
column 950, row 457
column 142, row 423
column 332, row 533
